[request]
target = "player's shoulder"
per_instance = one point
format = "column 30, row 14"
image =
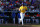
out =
column 25, row 6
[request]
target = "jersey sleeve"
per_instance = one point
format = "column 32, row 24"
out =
column 20, row 8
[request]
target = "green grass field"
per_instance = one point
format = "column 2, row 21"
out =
column 11, row 25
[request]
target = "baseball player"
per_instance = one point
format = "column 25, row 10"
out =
column 22, row 10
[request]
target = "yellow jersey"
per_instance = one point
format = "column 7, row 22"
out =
column 23, row 9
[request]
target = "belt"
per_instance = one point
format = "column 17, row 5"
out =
column 23, row 13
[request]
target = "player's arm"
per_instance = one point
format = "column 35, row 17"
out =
column 20, row 9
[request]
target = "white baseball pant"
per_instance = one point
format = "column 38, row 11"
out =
column 22, row 16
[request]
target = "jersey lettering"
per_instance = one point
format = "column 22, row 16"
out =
column 23, row 9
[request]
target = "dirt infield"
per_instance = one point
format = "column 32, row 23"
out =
column 17, row 25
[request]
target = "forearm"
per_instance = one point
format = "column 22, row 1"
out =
column 19, row 10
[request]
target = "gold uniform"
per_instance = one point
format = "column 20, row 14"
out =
column 23, row 9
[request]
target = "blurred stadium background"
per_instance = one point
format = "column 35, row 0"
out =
column 9, row 12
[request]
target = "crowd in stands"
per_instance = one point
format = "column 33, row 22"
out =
column 8, row 5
